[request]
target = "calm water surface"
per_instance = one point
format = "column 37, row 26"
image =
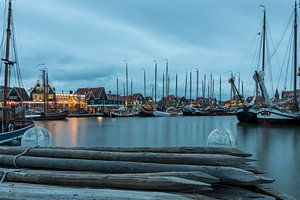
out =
column 276, row 148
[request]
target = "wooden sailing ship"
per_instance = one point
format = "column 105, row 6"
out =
column 276, row 114
column 248, row 113
column 12, row 118
column 49, row 115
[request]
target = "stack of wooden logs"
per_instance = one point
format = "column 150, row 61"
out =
column 130, row 173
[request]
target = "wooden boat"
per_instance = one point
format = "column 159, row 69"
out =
column 146, row 113
column 193, row 111
column 277, row 115
column 274, row 114
column 157, row 113
column 51, row 116
column 14, row 134
column 248, row 113
column 124, row 112
column 13, row 122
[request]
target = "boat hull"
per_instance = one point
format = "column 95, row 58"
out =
column 247, row 115
column 56, row 116
column 161, row 114
column 11, row 135
column 277, row 116
column 146, row 113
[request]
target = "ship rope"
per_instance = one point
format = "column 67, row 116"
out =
column 286, row 61
column 16, row 58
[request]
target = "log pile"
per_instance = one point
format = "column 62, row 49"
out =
column 134, row 173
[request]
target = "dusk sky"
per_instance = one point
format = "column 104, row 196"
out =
column 83, row 42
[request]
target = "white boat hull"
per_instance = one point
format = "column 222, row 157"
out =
column 161, row 114
column 277, row 116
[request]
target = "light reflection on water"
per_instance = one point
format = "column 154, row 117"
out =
column 276, row 148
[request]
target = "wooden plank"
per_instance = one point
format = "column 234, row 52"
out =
column 225, row 174
column 166, row 158
column 17, row 191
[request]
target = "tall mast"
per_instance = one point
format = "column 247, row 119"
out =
column 204, row 86
column 163, row 90
column 242, row 89
column 220, row 97
column 197, row 84
column 231, row 87
column 176, row 85
column 190, row 85
column 145, row 92
column 8, row 34
column 131, row 87
column 264, row 40
column 295, row 59
column 44, row 88
column 213, row 88
column 152, row 91
column 117, row 91
column 185, row 86
column 167, row 75
column 155, row 81
column 126, row 95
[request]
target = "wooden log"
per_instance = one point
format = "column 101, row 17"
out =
column 236, row 193
column 266, row 189
column 119, row 181
column 225, row 174
column 198, row 150
column 17, row 191
column 192, row 175
column 167, row 158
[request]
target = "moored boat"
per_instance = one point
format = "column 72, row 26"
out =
column 277, row 115
column 13, row 123
column 274, row 114
column 247, row 114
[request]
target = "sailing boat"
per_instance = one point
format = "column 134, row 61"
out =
column 13, row 121
column 275, row 114
column 248, row 113
column 46, row 115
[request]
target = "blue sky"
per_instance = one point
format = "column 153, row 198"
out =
column 84, row 43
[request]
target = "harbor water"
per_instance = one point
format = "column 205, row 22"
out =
column 277, row 148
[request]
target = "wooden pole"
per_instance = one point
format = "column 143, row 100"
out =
column 230, row 175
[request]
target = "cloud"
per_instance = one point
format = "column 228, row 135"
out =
column 84, row 43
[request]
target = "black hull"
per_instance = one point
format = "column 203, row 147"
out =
column 246, row 115
column 58, row 116
column 146, row 113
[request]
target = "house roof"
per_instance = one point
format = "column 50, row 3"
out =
column 96, row 92
column 38, row 84
column 22, row 93
column 133, row 97
column 113, row 97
